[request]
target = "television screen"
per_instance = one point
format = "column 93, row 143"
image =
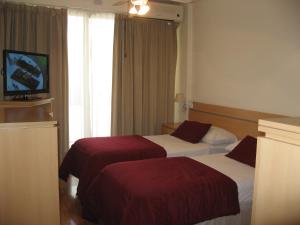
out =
column 25, row 73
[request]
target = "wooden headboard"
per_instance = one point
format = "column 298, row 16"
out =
column 238, row 121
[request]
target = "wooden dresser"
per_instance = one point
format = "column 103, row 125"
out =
column 277, row 177
column 28, row 166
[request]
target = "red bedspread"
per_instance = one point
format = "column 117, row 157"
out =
column 108, row 150
column 177, row 191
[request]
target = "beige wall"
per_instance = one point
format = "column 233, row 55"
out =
column 246, row 54
column 184, row 63
column 180, row 78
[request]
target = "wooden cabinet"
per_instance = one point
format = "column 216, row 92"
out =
column 22, row 111
column 168, row 128
column 28, row 170
column 277, row 182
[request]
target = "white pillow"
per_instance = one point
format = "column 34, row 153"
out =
column 230, row 147
column 218, row 136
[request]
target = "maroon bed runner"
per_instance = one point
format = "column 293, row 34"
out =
column 177, row 191
column 119, row 147
column 89, row 155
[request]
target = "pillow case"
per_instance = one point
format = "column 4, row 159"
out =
column 230, row 147
column 219, row 136
column 245, row 151
column 191, row 131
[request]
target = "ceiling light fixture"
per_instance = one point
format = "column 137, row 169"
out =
column 140, row 7
column 139, row 2
column 143, row 10
column 133, row 10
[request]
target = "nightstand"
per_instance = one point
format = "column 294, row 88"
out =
column 168, row 128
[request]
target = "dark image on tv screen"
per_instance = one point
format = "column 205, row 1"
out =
column 25, row 72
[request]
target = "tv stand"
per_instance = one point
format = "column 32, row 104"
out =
column 25, row 98
column 26, row 110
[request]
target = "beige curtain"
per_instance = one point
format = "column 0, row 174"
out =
column 42, row 30
column 145, row 53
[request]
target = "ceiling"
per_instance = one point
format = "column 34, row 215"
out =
column 172, row 2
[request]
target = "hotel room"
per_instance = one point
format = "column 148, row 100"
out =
column 149, row 112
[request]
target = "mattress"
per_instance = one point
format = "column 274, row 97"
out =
column 243, row 175
column 177, row 147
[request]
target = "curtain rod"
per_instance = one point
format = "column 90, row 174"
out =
column 63, row 7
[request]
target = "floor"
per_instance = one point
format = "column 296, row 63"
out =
column 70, row 209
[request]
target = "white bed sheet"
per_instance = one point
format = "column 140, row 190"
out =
column 243, row 175
column 177, row 147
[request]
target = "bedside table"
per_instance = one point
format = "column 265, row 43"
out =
column 168, row 128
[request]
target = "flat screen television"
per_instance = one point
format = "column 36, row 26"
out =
column 25, row 73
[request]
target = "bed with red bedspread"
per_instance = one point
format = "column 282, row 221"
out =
column 88, row 156
column 177, row 191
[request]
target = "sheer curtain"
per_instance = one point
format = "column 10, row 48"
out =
column 90, row 49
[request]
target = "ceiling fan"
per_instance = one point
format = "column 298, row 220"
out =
column 141, row 7
column 122, row 2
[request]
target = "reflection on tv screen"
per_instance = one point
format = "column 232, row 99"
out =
column 25, row 72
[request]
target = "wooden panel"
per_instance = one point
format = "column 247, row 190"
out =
column 238, row 121
column 234, row 113
column 290, row 124
column 25, row 104
column 28, row 176
column 277, row 187
column 40, row 124
column 34, row 114
column 26, row 111
column 280, row 135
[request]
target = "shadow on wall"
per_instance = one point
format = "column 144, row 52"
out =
column 1, row 76
column 1, row 87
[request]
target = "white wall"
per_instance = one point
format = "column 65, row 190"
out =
column 180, row 78
column 246, row 54
column 184, row 63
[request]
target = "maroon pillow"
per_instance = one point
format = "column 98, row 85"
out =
column 245, row 151
column 191, row 131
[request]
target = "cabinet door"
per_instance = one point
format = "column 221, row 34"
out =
column 28, row 176
column 277, row 184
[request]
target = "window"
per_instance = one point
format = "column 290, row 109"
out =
column 90, row 52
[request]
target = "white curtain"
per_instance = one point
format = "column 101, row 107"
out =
column 90, row 50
